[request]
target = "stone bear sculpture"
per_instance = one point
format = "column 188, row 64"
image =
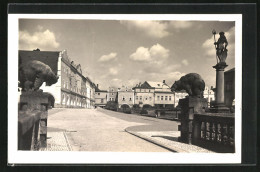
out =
column 192, row 83
column 33, row 73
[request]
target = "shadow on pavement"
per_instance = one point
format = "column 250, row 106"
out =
column 167, row 137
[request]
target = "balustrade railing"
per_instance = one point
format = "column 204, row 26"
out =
column 215, row 131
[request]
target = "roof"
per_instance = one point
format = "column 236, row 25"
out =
column 156, row 84
column 98, row 90
column 48, row 57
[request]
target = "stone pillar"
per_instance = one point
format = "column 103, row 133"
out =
column 220, row 99
column 33, row 101
column 189, row 107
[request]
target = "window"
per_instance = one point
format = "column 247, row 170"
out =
column 112, row 93
column 146, row 98
column 136, row 97
column 150, row 98
column 123, row 98
column 140, row 97
column 98, row 93
column 158, row 97
column 166, row 97
column 102, row 100
column 130, row 99
column 170, row 98
column 161, row 97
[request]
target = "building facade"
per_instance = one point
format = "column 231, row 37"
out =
column 90, row 92
column 163, row 96
column 70, row 90
column 112, row 94
column 143, row 95
column 100, row 97
column 229, row 87
column 125, row 96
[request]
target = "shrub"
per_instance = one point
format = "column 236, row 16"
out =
column 111, row 105
column 136, row 106
column 143, row 111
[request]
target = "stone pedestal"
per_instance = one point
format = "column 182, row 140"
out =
column 189, row 107
column 36, row 100
column 220, row 99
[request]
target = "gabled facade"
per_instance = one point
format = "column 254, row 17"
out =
column 163, row 96
column 112, row 93
column 144, row 94
column 125, row 96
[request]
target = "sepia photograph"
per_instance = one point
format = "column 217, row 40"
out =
column 125, row 88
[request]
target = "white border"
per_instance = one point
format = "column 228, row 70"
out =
column 32, row 157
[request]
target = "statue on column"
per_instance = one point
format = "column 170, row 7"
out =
column 221, row 47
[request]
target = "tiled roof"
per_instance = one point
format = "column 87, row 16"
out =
column 156, row 84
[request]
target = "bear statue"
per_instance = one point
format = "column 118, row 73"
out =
column 192, row 83
column 33, row 73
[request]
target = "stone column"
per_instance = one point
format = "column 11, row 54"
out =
column 220, row 99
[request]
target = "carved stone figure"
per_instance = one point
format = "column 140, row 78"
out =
column 33, row 73
column 192, row 83
column 221, row 48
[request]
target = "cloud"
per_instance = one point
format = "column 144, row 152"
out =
column 107, row 57
column 159, row 51
column 141, row 54
column 181, row 24
column 209, row 47
column 113, row 71
column 153, row 29
column 44, row 40
column 185, row 62
column 155, row 54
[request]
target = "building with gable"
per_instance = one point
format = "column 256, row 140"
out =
column 163, row 96
column 125, row 96
column 112, row 94
column 143, row 94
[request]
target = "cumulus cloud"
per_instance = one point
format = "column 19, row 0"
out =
column 141, row 54
column 208, row 45
column 108, row 57
column 185, row 62
column 154, row 29
column 159, row 51
column 154, row 54
column 44, row 40
column 181, row 24
column 113, row 71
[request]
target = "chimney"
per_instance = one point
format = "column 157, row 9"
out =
column 97, row 85
column 164, row 81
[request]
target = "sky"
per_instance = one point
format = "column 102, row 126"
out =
column 127, row 52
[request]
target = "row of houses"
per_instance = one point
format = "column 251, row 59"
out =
column 156, row 94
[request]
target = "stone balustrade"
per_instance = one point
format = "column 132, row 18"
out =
column 214, row 131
